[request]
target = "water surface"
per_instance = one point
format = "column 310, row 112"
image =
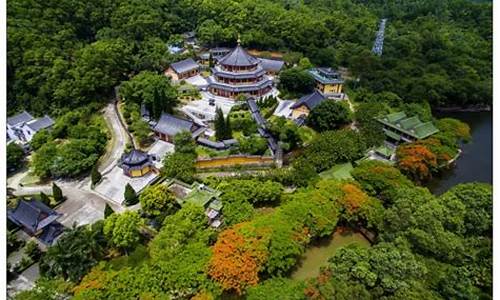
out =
column 475, row 163
column 317, row 254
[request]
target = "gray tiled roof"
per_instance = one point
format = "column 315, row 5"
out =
column 19, row 118
column 32, row 215
column 211, row 144
column 272, row 65
column 135, row 157
column 238, row 57
column 310, row 101
column 171, row 125
column 184, row 65
column 41, row 123
column 326, row 75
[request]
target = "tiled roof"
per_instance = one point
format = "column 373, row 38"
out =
column 41, row 123
column 411, row 126
column 32, row 215
column 184, row 65
column 135, row 157
column 272, row 65
column 171, row 125
column 19, row 118
column 326, row 75
column 238, row 57
column 310, row 101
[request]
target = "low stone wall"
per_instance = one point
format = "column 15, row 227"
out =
column 234, row 160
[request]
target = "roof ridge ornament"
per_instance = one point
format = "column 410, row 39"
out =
column 238, row 40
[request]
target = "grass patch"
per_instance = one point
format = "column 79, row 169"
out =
column 339, row 171
column 204, row 152
column 30, row 179
column 134, row 259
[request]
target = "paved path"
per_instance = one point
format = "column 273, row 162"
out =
column 120, row 139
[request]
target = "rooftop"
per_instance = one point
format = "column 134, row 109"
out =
column 41, row 123
column 22, row 117
column 32, row 215
column 411, row 126
column 238, row 57
column 272, row 65
column 135, row 157
column 326, row 75
column 310, row 101
column 184, row 65
column 171, row 125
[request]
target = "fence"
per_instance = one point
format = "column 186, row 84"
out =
column 233, row 161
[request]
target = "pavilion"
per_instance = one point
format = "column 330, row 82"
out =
column 398, row 127
column 239, row 73
column 136, row 163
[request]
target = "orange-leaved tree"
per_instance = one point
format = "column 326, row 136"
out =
column 237, row 259
column 416, row 160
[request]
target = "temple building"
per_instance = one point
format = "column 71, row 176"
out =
column 136, row 163
column 183, row 69
column 306, row 104
column 239, row 73
column 328, row 81
column 169, row 125
column 398, row 127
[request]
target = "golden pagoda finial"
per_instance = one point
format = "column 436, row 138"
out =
column 239, row 40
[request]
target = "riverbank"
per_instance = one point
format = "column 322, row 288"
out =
column 452, row 109
column 474, row 164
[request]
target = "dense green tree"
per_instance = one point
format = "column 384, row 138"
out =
column 237, row 211
column 57, row 193
column 184, row 143
column 219, row 125
column 75, row 252
column 39, row 139
column 151, row 89
column 331, row 147
column 179, row 165
column 46, row 288
column 122, row 230
column 365, row 116
column 15, row 157
column 157, row 200
column 296, row 81
column 108, row 211
column 95, row 175
column 277, row 288
column 130, row 195
column 45, row 199
column 329, row 115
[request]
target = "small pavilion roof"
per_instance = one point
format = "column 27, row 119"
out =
column 310, row 101
column 184, row 65
column 326, row 75
column 22, row 117
column 238, row 57
column 135, row 157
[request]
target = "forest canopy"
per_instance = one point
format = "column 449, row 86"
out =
column 64, row 54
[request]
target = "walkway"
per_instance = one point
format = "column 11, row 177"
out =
column 119, row 139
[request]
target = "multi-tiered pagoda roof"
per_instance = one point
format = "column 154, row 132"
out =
column 238, row 73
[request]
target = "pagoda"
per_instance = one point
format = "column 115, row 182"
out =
column 239, row 73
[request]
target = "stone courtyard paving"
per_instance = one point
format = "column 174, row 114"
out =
column 113, row 183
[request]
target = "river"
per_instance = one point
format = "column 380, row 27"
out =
column 476, row 161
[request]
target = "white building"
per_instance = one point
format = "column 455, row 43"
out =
column 22, row 127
